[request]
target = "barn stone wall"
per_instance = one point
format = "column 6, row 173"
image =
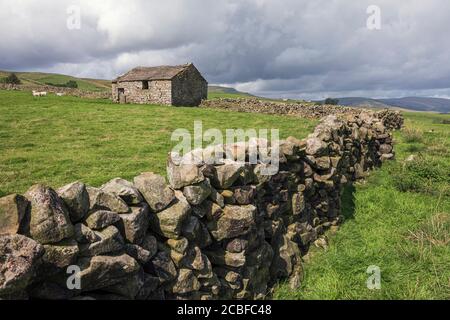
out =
column 158, row 92
column 220, row 229
column 189, row 88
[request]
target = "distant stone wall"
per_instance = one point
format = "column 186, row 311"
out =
column 158, row 92
column 216, row 231
column 53, row 90
column 391, row 119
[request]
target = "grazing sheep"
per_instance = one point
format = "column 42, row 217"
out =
column 39, row 94
column 60, row 94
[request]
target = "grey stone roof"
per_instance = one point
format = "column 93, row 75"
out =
column 152, row 73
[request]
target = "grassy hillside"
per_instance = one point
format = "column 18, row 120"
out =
column 399, row 220
column 39, row 78
column 215, row 92
column 57, row 140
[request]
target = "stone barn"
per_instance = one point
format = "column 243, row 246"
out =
column 170, row 85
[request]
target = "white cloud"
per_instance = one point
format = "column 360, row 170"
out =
column 296, row 48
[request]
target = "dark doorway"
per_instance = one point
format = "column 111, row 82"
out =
column 121, row 95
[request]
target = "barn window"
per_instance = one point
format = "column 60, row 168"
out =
column 144, row 85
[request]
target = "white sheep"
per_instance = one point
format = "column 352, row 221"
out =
column 60, row 94
column 36, row 94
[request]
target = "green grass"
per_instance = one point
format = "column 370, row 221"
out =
column 398, row 220
column 57, row 140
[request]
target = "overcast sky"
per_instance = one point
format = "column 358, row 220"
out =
column 294, row 48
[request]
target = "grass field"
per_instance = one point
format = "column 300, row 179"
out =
column 57, row 140
column 399, row 220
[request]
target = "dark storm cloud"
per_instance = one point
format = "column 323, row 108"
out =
column 292, row 48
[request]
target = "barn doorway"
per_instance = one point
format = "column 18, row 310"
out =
column 121, row 95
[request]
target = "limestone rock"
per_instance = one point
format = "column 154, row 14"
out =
column 197, row 193
column 101, row 219
column 385, row 148
column 128, row 288
column 216, row 197
column 85, row 235
column 13, row 209
column 123, row 189
column 181, row 175
column 225, row 175
column 110, row 241
column 244, row 195
column 101, row 200
column 387, row 156
column 102, row 271
column 150, row 244
column 225, row 258
column 49, row 222
column 235, row 221
column 149, row 286
column 18, row 257
column 323, row 163
column 169, row 222
column 186, row 282
column 155, row 191
column 298, row 203
column 61, row 254
column 179, row 245
column 192, row 259
column 196, row 232
column 135, row 224
column 287, row 255
column 207, row 209
column 140, row 254
column 76, row 198
column 164, row 267
column 236, row 245
column 315, row 146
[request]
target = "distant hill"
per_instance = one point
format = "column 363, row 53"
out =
column 411, row 103
column 225, row 92
column 421, row 104
column 41, row 78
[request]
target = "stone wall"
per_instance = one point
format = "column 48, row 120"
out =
column 391, row 119
column 53, row 90
column 158, row 92
column 189, row 88
column 218, row 230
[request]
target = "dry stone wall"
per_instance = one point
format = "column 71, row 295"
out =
column 391, row 119
column 53, row 90
column 218, row 230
